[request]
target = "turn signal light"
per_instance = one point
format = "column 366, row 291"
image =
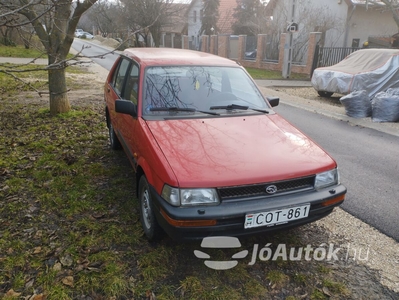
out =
column 333, row 200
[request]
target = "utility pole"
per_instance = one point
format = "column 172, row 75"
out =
column 289, row 42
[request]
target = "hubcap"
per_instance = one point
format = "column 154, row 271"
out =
column 146, row 209
column 111, row 134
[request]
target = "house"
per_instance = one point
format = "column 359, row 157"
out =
column 194, row 20
column 344, row 23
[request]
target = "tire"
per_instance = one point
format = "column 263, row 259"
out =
column 325, row 94
column 113, row 138
column 150, row 225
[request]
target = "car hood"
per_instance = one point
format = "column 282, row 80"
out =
column 229, row 151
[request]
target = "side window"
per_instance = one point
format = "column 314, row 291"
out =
column 120, row 75
column 132, row 84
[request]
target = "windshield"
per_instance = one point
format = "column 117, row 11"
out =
column 190, row 89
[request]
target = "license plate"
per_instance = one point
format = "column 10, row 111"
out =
column 275, row 217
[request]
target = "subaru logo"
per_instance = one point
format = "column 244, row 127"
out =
column 271, row 189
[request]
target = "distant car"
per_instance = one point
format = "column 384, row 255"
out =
column 84, row 35
column 251, row 55
column 78, row 32
column 373, row 70
column 211, row 156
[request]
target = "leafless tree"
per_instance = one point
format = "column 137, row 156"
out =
column 250, row 17
column 54, row 22
column 107, row 17
column 310, row 19
column 392, row 5
column 150, row 16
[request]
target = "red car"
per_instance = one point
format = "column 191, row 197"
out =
column 211, row 156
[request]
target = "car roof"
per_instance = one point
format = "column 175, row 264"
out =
column 172, row 56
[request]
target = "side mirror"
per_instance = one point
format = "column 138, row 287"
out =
column 126, row 107
column 274, row 101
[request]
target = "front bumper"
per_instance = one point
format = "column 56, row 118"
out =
column 228, row 217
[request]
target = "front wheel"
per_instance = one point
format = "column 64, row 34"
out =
column 151, row 228
column 325, row 94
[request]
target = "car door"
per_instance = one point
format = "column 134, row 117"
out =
column 114, row 90
column 129, row 125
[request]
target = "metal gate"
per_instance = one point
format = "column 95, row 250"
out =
column 328, row 56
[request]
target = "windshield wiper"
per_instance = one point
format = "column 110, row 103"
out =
column 231, row 106
column 184, row 109
column 260, row 110
column 236, row 106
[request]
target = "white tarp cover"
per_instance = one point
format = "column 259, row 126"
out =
column 373, row 70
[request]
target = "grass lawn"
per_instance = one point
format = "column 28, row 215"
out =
column 270, row 74
column 33, row 75
column 20, row 51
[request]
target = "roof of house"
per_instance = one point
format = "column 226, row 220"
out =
column 226, row 19
column 365, row 2
column 272, row 3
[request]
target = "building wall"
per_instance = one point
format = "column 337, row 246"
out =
column 371, row 22
column 361, row 24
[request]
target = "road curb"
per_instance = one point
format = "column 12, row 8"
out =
column 345, row 118
column 329, row 111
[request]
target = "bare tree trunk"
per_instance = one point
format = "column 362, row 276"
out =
column 156, row 36
column 56, row 37
column 59, row 102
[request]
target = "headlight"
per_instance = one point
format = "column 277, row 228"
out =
column 188, row 197
column 171, row 195
column 326, row 179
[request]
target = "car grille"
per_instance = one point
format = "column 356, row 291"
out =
column 286, row 186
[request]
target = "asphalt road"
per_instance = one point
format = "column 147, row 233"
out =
column 368, row 159
column 98, row 54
